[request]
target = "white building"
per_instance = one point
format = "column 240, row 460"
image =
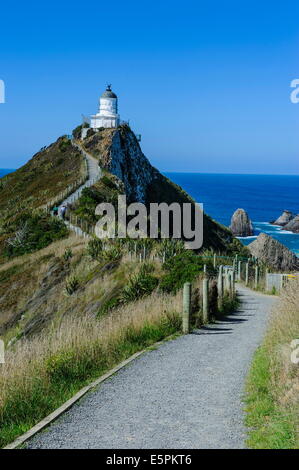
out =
column 108, row 114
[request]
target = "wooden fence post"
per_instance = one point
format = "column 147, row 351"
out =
column 232, row 284
column 220, row 287
column 239, row 270
column 247, row 274
column 205, row 300
column 186, row 307
column 256, row 277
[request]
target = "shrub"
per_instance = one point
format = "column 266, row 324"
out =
column 90, row 132
column 112, row 254
column 33, row 232
column 95, row 248
column 182, row 268
column 71, row 285
column 139, row 285
column 77, row 132
column 68, row 254
column 169, row 248
column 64, row 145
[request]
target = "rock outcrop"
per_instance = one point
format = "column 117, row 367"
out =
column 273, row 253
column 293, row 225
column 119, row 153
column 241, row 225
column 284, row 218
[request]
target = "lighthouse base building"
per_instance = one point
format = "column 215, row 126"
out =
column 107, row 116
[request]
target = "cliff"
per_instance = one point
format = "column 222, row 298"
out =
column 293, row 225
column 241, row 225
column 273, row 253
column 119, row 153
column 284, row 218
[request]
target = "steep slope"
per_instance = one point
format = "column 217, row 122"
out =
column 43, row 177
column 284, row 218
column 36, row 183
column 119, row 153
column 293, row 225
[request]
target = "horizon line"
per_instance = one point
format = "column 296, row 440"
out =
column 224, row 173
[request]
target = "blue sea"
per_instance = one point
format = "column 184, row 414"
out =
column 264, row 197
column 4, row 172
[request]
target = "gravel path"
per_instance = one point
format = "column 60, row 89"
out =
column 185, row 394
column 94, row 174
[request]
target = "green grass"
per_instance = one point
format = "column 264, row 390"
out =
column 68, row 371
column 271, row 426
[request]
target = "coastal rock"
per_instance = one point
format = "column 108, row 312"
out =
column 293, row 225
column 241, row 225
column 273, row 253
column 284, row 218
column 119, row 153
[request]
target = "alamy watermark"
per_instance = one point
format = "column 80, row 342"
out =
column 161, row 221
column 295, row 352
column 2, row 91
column 295, row 93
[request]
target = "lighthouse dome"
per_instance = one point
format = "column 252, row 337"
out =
column 108, row 93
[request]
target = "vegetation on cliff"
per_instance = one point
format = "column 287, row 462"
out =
column 33, row 185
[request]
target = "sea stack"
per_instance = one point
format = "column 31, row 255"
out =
column 284, row 218
column 293, row 225
column 273, row 253
column 241, row 225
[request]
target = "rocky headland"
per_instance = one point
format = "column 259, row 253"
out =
column 293, row 225
column 273, row 253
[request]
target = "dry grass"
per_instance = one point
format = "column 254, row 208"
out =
column 283, row 330
column 40, row 374
column 20, row 278
column 273, row 384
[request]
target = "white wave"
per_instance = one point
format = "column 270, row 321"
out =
column 246, row 238
column 287, row 232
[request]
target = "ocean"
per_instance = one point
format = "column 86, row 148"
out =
column 264, row 197
column 4, row 172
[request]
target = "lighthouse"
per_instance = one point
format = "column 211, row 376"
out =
column 107, row 115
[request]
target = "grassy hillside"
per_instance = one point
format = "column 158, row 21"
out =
column 46, row 175
column 273, row 383
column 72, row 308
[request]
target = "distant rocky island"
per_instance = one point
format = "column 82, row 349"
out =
column 267, row 249
column 241, row 225
column 288, row 221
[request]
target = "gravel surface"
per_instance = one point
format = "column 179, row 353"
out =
column 185, row 394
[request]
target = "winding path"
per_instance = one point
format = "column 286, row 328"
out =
column 94, row 174
column 185, row 394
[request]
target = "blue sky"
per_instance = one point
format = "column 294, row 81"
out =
column 207, row 84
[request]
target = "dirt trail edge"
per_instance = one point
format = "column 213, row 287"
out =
column 185, row 394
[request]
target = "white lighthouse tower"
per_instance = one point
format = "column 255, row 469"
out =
column 108, row 113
